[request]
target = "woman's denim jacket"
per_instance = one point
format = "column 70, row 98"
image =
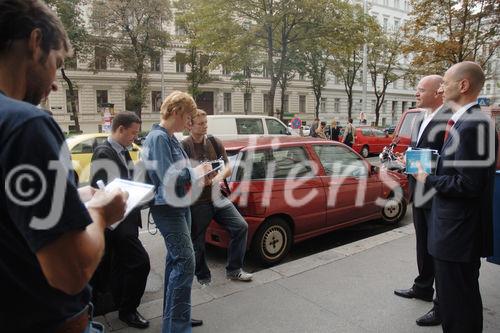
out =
column 168, row 167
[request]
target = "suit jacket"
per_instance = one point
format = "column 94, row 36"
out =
column 105, row 151
column 462, row 210
column 431, row 138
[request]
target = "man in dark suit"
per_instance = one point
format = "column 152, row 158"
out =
column 125, row 266
column 461, row 216
column 428, row 132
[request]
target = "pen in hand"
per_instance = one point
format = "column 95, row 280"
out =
column 100, row 185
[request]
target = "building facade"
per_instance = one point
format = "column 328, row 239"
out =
column 97, row 92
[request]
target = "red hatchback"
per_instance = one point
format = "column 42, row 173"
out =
column 370, row 140
column 290, row 189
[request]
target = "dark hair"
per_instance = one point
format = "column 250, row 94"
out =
column 323, row 123
column 350, row 120
column 125, row 119
column 18, row 18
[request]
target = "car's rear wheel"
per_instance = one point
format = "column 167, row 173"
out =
column 272, row 241
column 365, row 151
column 394, row 209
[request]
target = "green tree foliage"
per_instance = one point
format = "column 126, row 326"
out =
column 441, row 33
column 198, row 56
column 384, row 66
column 357, row 28
column 70, row 13
column 132, row 32
column 335, row 26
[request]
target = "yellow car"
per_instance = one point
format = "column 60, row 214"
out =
column 82, row 147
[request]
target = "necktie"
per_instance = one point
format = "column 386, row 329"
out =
column 449, row 125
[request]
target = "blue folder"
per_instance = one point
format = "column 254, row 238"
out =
column 427, row 157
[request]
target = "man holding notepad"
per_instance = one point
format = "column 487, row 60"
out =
column 125, row 266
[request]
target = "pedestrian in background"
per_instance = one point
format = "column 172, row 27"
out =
column 172, row 177
column 320, row 131
column 125, row 266
column 50, row 246
column 334, row 131
column 213, row 205
column 314, row 127
column 461, row 229
column 349, row 133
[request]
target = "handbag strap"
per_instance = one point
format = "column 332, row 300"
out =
column 216, row 147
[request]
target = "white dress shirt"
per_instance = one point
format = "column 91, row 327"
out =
column 427, row 119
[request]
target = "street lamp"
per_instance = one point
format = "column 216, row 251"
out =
column 365, row 64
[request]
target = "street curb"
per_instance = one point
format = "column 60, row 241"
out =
column 153, row 309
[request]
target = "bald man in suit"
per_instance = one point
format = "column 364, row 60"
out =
column 461, row 228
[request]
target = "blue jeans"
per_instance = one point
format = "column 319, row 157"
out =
column 175, row 226
column 225, row 214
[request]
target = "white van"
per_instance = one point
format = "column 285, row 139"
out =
column 238, row 126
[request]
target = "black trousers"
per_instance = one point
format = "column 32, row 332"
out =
column 424, row 281
column 124, row 268
column 457, row 287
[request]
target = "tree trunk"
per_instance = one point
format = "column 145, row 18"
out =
column 283, row 92
column 272, row 93
column 72, row 101
column 349, row 103
column 317, row 95
column 270, row 69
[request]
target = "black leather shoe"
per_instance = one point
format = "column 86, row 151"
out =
column 196, row 322
column 410, row 293
column 134, row 319
column 431, row 318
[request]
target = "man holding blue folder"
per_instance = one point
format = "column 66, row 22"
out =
column 462, row 210
column 428, row 133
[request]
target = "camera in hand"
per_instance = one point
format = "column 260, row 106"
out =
column 215, row 164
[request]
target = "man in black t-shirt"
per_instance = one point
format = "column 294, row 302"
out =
column 50, row 243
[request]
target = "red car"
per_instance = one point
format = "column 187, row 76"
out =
column 404, row 128
column 370, row 140
column 290, row 189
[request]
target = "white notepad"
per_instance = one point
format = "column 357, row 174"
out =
column 138, row 195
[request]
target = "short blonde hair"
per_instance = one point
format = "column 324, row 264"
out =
column 199, row 113
column 180, row 102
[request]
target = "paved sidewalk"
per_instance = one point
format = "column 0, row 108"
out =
column 346, row 289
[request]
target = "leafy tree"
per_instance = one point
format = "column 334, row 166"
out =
column 197, row 56
column 70, row 13
column 262, row 29
column 348, row 56
column 132, row 32
column 316, row 61
column 326, row 41
column 384, row 66
column 441, row 33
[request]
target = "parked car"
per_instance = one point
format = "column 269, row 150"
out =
column 82, row 147
column 404, row 128
column 369, row 140
column 239, row 126
column 390, row 129
column 290, row 189
column 140, row 140
column 306, row 129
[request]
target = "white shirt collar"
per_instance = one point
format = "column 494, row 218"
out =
column 428, row 116
column 456, row 116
